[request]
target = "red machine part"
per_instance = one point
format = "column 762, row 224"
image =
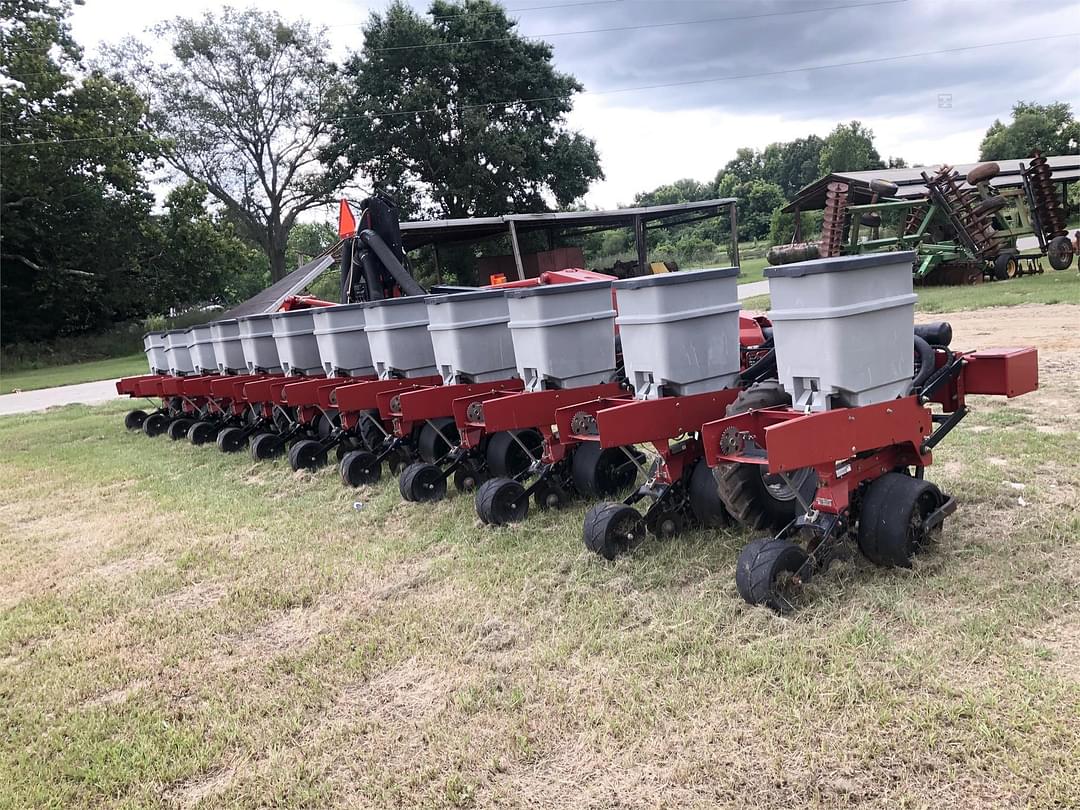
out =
column 303, row 302
column 406, row 409
column 849, row 446
column 354, row 400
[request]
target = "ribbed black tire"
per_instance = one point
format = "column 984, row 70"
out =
column 178, row 428
column 359, row 468
column 741, row 487
column 508, row 459
column 611, row 529
column 705, row 500
column 155, row 424
column 133, row 420
column 307, row 454
column 758, row 567
column 421, row 482
column 231, row 440
column 501, row 501
column 202, row 433
column 431, row 446
column 890, row 520
column 600, row 472
column 266, row 446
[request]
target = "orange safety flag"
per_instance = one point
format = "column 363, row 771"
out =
column 346, row 221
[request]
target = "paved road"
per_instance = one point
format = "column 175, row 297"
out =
column 94, row 393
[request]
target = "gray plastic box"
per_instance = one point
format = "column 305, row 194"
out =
column 564, row 334
column 680, row 331
column 398, row 336
column 154, row 349
column 177, row 356
column 260, row 348
column 297, row 347
column 201, row 347
column 343, row 344
column 471, row 336
column 843, row 329
column 228, row 350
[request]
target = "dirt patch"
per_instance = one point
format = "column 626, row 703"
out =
column 1056, row 645
column 115, row 697
column 204, row 786
column 1051, row 328
column 196, row 596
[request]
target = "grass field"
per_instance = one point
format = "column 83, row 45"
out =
column 184, row 628
column 71, row 374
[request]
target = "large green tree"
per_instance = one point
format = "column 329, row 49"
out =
column 849, row 148
column 793, row 164
column 73, row 202
column 458, row 115
column 246, row 101
column 1050, row 128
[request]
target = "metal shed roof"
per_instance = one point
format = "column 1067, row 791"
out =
column 426, row 232
column 270, row 299
column 1066, row 168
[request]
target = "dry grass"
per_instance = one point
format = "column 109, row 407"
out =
column 181, row 628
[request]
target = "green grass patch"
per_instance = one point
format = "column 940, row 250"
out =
column 180, row 627
column 74, row 373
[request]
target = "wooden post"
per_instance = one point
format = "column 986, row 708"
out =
column 517, row 251
column 798, row 226
column 734, row 234
column 438, row 266
column 641, row 244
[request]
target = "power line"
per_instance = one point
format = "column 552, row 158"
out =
column 686, row 83
column 615, row 29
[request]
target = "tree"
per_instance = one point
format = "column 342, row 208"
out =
column 246, row 103
column 73, row 202
column 849, row 148
column 685, row 190
column 747, row 165
column 792, row 165
column 454, row 127
column 757, row 200
column 1050, row 128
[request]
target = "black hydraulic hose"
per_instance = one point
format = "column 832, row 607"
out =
column 391, row 264
column 763, row 366
column 926, row 363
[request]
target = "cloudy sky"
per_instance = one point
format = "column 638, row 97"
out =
column 674, row 87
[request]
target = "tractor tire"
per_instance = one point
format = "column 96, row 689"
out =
column 469, row 475
column 307, row 454
column 360, row 468
column 891, row 518
column 754, row 498
column 231, row 440
column 506, row 458
column 884, row 188
column 266, row 446
column 991, row 205
column 501, row 501
column 422, row 483
column 1005, row 267
column 705, row 500
column 431, row 446
column 133, row 420
column 611, row 529
column 1060, row 253
column 178, row 428
column 600, row 472
column 202, row 433
column 763, row 571
column 983, row 172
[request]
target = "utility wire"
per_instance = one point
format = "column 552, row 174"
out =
column 686, row 83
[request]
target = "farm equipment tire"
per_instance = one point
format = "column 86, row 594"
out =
column 431, row 445
column 548, row 495
column 705, row 500
column 612, row 529
column 155, row 424
column 202, row 433
column 983, row 172
column 601, row 472
column 469, row 475
column 769, row 571
column 501, row 501
column 398, row 460
column 1005, row 267
column 753, row 497
column 360, row 467
column 133, row 420
column 307, row 454
column 506, row 458
column 422, row 483
column 891, row 528
column 1060, row 253
column 179, row 428
column 266, row 446
column 231, row 440
column 665, row 524
column 991, row 205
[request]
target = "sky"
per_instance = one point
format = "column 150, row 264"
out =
column 674, row 87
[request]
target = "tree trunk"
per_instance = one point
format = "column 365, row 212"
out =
column 278, row 270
